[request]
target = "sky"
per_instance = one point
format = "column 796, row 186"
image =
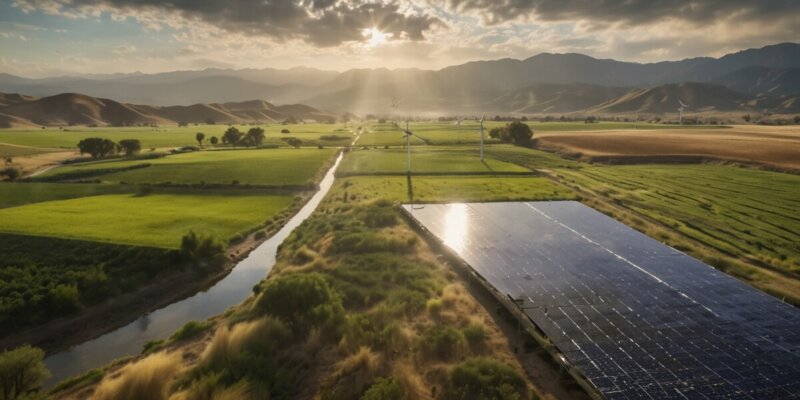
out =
column 40, row 38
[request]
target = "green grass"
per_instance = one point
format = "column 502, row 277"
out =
column 739, row 211
column 158, row 220
column 7, row 150
column 267, row 167
column 17, row 194
column 423, row 160
column 166, row 136
column 437, row 189
column 447, row 133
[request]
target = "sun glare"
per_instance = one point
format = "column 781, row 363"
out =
column 375, row 37
column 456, row 226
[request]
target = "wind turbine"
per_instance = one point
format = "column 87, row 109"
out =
column 393, row 106
column 481, row 129
column 408, row 135
column 680, row 109
column 458, row 132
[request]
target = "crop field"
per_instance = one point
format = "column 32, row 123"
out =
column 17, row 194
column 776, row 147
column 447, row 133
column 436, row 189
column 739, row 211
column 264, row 167
column 157, row 220
column 429, row 160
column 169, row 136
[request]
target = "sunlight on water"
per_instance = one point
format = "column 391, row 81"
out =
column 456, row 223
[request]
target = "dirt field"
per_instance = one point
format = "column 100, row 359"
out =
column 775, row 146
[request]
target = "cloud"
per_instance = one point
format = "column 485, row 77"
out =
column 123, row 50
column 322, row 23
column 625, row 12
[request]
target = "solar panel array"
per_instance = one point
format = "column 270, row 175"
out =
column 639, row 319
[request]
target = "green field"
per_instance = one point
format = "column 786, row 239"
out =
column 266, row 167
column 427, row 160
column 17, row 194
column 157, row 220
column 447, row 133
column 7, row 150
column 438, row 189
column 738, row 211
column 168, row 136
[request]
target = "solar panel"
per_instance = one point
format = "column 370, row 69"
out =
column 639, row 319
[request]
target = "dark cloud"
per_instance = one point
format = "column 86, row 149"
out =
column 627, row 12
column 318, row 22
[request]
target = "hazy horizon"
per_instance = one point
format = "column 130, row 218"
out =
column 45, row 38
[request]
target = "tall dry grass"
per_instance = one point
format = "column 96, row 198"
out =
column 262, row 336
column 149, row 378
column 353, row 375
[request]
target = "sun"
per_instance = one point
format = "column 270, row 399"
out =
column 375, row 37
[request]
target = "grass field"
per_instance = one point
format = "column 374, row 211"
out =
column 738, row 211
column 17, row 194
column 270, row 167
column 158, row 220
column 437, row 189
column 447, row 133
column 428, row 160
column 7, row 150
column 168, row 136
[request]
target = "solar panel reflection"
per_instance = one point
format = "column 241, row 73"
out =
column 639, row 319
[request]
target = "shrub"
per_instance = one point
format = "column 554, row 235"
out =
column 262, row 337
column 204, row 249
column 22, row 371
column 384, row 389
column 475, row 334
column 484, row 378
column 64, row 299
column 286, row 131
column 10, row 172
column 149, row 378
column 190, row 330
column 442, row 343
column 353, row 375
column 302, row 301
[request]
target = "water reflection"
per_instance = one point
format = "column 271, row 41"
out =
column 456, row 224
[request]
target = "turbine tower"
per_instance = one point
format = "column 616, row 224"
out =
column 393, row 106
column 458, row 131
column 680, row 110
column 481, row 129
column 408, row 135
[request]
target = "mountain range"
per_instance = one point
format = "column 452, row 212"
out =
column 18, row 111
column 766, row 78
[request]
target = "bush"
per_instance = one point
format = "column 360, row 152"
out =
column 384, row 389
column 22, row 372
column 302, row 301
column 190, row 330
column 202, row 250
column 442, row 343
column 10, row 172
column 484, row 378
column 64, row 299
column 285, row 131
column 149, row 378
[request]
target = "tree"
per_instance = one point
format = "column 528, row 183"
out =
column 200, row 136
column 519, row 133
column 97, row 147
column 495, row 133
column 254, row 137
column 747, row 117
column 294, row 142
column 214, row 140
column 183, row 123
column 22, row 371
column 130, row 146
column 11, row 172
column 210, row 121
column 232, row 136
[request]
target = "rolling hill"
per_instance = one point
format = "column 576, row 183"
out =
column 79, row 109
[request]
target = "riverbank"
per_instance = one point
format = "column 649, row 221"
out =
column 62, row 333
